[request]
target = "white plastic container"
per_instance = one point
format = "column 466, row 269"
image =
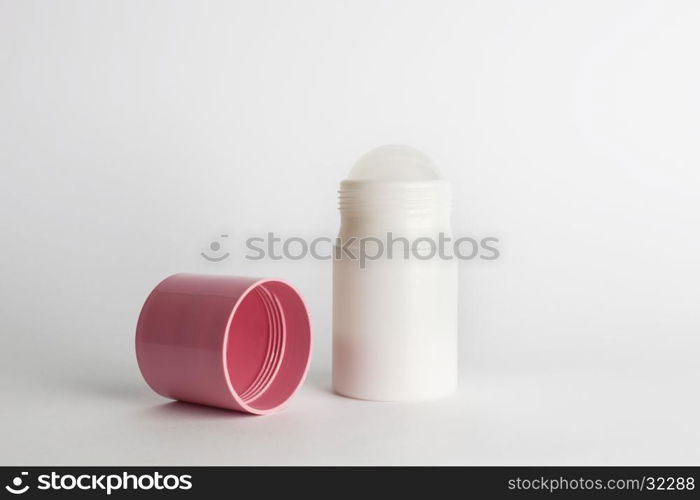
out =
column 394, row 315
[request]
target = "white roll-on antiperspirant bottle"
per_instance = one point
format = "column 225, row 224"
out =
column 394, row 285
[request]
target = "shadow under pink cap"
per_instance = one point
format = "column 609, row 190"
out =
column 227, row 341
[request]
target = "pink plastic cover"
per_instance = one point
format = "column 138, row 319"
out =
column 227, row 341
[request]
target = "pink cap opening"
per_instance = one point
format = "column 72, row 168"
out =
column 227, row 341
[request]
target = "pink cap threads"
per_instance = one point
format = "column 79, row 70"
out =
column 233, row 342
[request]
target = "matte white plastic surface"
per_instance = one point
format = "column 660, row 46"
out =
column 394, row 318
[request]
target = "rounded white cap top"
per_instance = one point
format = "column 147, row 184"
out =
column 394, row 162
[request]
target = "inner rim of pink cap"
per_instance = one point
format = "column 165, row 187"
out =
column 267, row 346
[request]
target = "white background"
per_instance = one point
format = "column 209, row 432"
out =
column 132, row 134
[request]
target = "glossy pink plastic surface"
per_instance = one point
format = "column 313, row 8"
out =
column 226, row 341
